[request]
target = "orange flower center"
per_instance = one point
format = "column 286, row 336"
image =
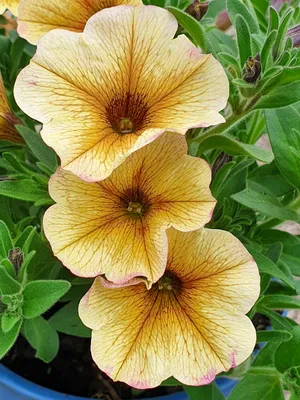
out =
column 127, row 113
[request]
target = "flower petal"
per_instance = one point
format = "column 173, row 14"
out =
column 217, row 267
column 11, row 5
column 124, row 53
column 92, row 235
column 92, row 231
column 39, row 17
column 7, row 119
column 144, row 336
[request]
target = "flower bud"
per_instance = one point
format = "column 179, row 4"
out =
column 197, row 9
column 223, row 21
column 252, row 69
column 15, row 256
column 277, row 4
column 294, row 33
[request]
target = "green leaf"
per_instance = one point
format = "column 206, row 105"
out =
column 281, row 36
column 258, row 387
column 208, row 392
column 268, row 175
column 236, row 179
column 67, row 321
column 233, row 147
column 290, row 255
column 288, row 75
column 277, row 320
column 39, row 296
column 287, row 354
column 193, row 28
column 5, row 213
column 8, row 322
column 279, row 302
column 220, row 177
column 235, row 7
column 42, row 337
column 9, row 267
column 8, row 339
column 273, row 19
column 266, row 50
column 8, row 285
column 25, row 189
column 171, row 382
column 280, row 124
column 265, row 203
column 266, row 266
column 273, row 336
column 38, row 147
column 265, row 356
column 243, row 39
column 6, row 243
column 281, row 96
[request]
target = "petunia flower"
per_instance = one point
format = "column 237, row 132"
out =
column 11, row 5
column 107, row 92
column 117, row 227
column 7, row 119
column 39, row 17
column 190, row 324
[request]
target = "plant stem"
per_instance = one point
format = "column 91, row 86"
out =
column 230, row 123
column 264, row 371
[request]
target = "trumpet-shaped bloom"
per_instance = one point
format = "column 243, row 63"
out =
column 107, row 92
column 11, row 5
column 117, row 227
column 39, row 17
column 190, row 324
column 7, row 119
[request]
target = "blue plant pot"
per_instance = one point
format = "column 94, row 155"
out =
column 14, row 387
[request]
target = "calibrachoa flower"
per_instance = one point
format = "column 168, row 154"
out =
column 117, row 227
column 11, row 5
column 7, row 119
column 107, row 92
column 39, row 17
column 190, row 324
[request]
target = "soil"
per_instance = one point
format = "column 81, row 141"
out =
column 74, row 372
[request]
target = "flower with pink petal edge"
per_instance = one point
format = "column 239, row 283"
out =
column 191, row 324
column 107, row 92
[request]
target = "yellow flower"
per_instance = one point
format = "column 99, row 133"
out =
column 7, row 119
column 109, row 91
column 11, row 5
column 39, row 17
column 190, row 324
column 117, row 227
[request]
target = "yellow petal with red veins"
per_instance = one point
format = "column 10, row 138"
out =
column 11, row 5
column 117, row 227
column 39, row 17
column 121, row 83
column 7, row 119
column 142, row 336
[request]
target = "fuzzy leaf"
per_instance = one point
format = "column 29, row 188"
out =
column 234, row 147
column 38, row 147
column 8, row 339
column 39, row 296
column 67, row 320
column 42, row 337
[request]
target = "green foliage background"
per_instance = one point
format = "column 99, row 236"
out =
column 256, row 189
